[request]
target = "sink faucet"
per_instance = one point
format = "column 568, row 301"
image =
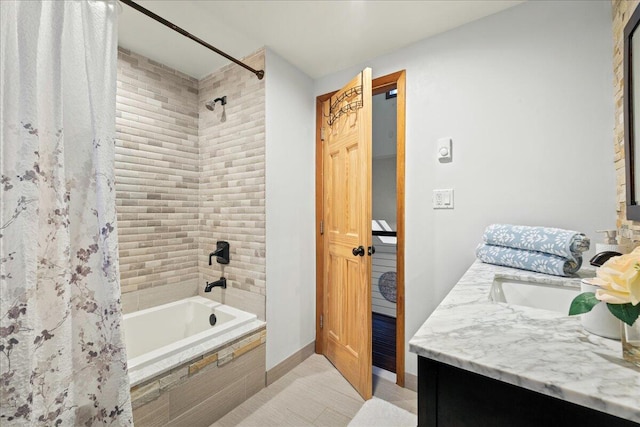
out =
column 603, row 257
column 222, row 283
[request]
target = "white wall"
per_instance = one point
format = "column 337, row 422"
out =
column 384, row 126
column 526, row 96
column 383, row 176
column 290, row 207
column 383, row 190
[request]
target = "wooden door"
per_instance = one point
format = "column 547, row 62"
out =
column 347, row 231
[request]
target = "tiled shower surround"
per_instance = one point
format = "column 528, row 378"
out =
column 232, row 184
column 156, row 181
column 185, row 178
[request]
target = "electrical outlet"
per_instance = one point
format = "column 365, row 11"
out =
column 443, row 199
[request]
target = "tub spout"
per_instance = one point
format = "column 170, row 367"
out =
column 222, row 283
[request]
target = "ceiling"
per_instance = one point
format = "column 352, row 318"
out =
column 318, row 37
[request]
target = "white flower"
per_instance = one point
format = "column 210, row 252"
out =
column 619, row 279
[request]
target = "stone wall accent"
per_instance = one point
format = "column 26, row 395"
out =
column 622, row 11
column 156, row 163
column 232, row 184
column 204, row 389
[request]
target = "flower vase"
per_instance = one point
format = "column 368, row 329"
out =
column 630, row 337
column 599, row 320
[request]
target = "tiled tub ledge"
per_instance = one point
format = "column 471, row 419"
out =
column 203, row 389
column 194, row 353
column 539, row 350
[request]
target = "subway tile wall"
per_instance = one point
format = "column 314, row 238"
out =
column 156, row 181
column 186, row 179
column 232, row 183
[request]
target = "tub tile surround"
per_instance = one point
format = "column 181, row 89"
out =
column 203, row 389
column 185, row 180
column 232, row 184
column 621, row 11
column 157, row 295
column 539, row 350
column 156, row 167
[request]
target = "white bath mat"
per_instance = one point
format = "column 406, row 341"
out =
column 379, row 413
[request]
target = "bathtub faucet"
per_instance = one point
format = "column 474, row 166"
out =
column 221, row 253
column 222, row 283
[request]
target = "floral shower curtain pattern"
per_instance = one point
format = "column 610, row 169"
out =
column 62, row 354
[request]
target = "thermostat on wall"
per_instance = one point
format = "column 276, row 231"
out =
column 444, row 149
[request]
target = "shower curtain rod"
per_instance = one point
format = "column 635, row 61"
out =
column 160, row 19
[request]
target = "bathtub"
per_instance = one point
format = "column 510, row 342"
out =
column 160, row 338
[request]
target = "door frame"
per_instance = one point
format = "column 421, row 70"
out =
column 379, row 85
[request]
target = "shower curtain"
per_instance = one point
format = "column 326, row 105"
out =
column 62, row 356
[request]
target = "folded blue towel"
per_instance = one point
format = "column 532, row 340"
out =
column 528, row 260
column 554, row 241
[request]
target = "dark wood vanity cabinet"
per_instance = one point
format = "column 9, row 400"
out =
column 452, row 397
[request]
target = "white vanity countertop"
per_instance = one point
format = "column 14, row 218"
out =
column 535, row 349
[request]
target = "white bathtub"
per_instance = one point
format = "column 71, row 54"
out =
column 160, row 338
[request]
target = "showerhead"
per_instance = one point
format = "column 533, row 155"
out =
column 212, row 104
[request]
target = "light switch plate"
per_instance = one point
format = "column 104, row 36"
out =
column 443, row 199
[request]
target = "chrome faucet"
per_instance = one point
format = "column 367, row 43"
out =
column 222, row 283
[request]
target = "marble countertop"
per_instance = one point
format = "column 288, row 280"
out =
column 539, row 350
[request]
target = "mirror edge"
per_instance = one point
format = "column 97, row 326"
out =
column 633, row 209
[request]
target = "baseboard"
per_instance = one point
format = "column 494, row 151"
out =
column 411, row 381
column 278, row 371
column 290, row 362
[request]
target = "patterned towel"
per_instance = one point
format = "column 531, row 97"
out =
column 528, row 260
column 554, row 241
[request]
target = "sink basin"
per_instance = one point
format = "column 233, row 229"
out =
column 533, row 294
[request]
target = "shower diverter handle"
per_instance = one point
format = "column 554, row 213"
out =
column 359, row 251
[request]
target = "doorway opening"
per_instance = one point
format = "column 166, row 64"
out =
column 384, row 239
column 388, row 164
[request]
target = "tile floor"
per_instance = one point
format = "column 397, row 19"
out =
column 312, row 394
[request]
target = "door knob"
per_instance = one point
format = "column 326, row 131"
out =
column 359, row 251
column 371, row 250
